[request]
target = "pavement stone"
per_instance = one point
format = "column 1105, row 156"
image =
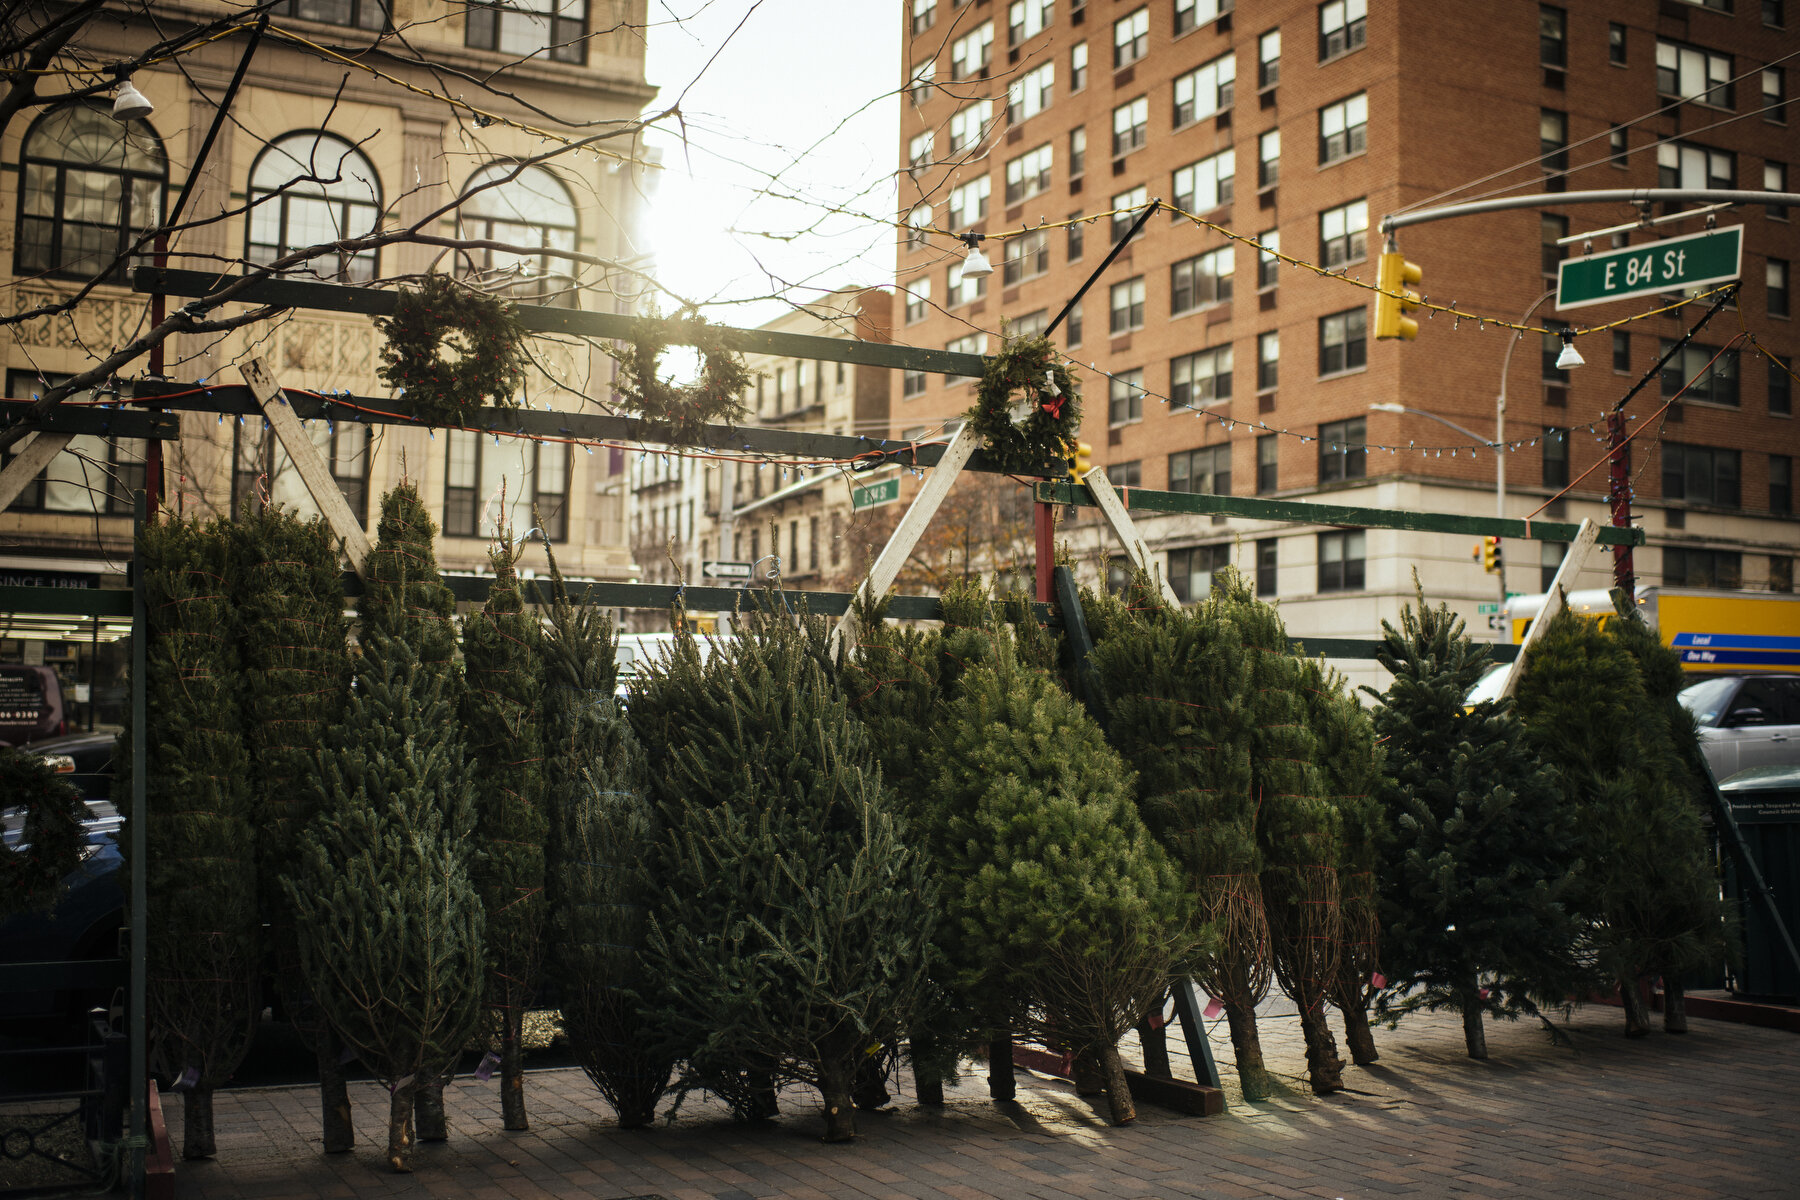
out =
column 1713, row 1114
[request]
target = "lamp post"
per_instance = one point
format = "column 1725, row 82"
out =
column 1500, row 429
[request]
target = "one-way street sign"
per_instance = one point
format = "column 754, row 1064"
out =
column 1674, row 264
column 725, row 570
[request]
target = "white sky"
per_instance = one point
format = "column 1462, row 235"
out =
column 799, row 100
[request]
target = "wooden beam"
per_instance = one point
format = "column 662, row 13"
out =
column 314, row 472
column 1301, row 512
column 1555, row 596
column 23, row 467
column 1125, row 529
column 99, row 420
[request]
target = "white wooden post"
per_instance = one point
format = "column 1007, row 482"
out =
column 28, row 462
column 1554, row 598
column 1125, row 529
column 307, row 460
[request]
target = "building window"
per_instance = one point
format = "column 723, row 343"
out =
column 1201, row 379
column 1031, row 93
column 1208, row 184
column 1073, row 326
column 1553, row 144
column 1267, row 474
column 918, row 222
column 1268, row 267
column 1028, row 174
column 1781, row 383
column 1343, row 27
column 1127, row 306
column 1781, row 573
column 1343, row 129
column 1191, row 570
column 1700, row 474
column 1205, row 90
column 1027, row 18
column 1774, row 95
column 1076, row 236
column 1268, row 159
column 1553, row 37
column 912, row 383
column 969, row 125
column 1078, row 64
column 1556, row 457
column 1191, row 14
column 1131, row 38
column 1549, row 350
column 354, row 14
column 1205, row 472
column 1077, row 151
column 1615, row 43
column 521, row 206
column 963, row 289
column 550, row 490
column 1268, row 59
column 1268, row 360
column 475, row 471
column 1125, row 397
column 90, row 475
column 1027, row 256
column 1621, row 355
column 1683, row 165
column 1343, row 453
column 1343, row 234
column 919, row 153
column 1126, row 474
column 918, row 298
column 1775, row 273
column 1775, row 180
column 1684, row 567
column 1550, row 559
column 290, row 210
column 1200, row 281
column 1551, row 231
column 1774, row 14
column 91, row 187
column 1341, row 561
column 1693, row 74
column 528, row 28
column 924, row 13
column 1617, row 148
column 1343, row 342
column 969, row 53
column 1131, row 124
column 972, row 343
column 1781, row 485
column 1717, row 385
column 968, row 203
column 1125, row 206
column 1028, row 326
column 1266, row 562
column 919, row 85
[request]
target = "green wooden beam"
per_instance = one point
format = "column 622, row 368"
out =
column 332, row 297
column 74, row 602
column 87, row 419
column 1305, row 513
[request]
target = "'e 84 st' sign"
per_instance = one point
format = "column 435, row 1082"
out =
column 1673, row 265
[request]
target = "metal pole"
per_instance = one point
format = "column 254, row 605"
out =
column 1500, row 441
column 1044, row 531
column 136, row 833
column 1104, row 263
column 1618, row 485
column 1395, row 221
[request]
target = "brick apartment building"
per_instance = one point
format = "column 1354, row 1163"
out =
column 1299, row 125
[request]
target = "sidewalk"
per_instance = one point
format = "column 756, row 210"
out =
column 1713, row 1114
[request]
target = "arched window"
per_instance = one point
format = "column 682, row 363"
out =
column 90, row 186
column 307, row 189
column 533, row 209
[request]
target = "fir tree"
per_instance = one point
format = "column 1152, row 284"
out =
column 1067, row 909
column 787, row 939
column 504, row 672
column 204, row 936
column 1479, row 848
column 288, row 589
column 602, row 828
column 51, row 838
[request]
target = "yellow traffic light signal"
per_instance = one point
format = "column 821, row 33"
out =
column 1491, row 561
column 1395, row 277
column 1081, row 459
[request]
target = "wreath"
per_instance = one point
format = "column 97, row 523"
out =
column 677, row 413
column 1027, row 411
column 32, row 878
column 484, row 331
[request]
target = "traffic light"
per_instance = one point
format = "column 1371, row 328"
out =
column 1081, row 459
column 1395, row 277
column 1491, row 561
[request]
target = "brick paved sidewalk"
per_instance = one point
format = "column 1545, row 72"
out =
column 1712, row 1114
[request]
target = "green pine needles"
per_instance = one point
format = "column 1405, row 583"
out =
column 51, row 840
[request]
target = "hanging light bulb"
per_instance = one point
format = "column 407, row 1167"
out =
column 129, row 104
column 1570, row 357
column 975, row 264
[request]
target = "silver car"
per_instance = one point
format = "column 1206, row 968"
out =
column 1746, row 720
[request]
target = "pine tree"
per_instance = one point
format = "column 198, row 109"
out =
column 204, row 936
column 602, row 828
column 1068, row 909
column 51, row 837
column 790, row 935
column 504, row 672
column 288, row 589
column 1479, row 848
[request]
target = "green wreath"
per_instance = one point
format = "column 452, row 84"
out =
column 32, row 878
column 677, row 413
column 491, row 362
column 1027, row 411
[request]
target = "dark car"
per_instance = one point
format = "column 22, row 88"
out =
column 1746, row 721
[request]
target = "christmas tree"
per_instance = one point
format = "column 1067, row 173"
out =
column 288, row 589
column 504, row 671
column 1479, row 847
column 51, row 838
column 205, row 940
column 602, row 828
column 789, row 935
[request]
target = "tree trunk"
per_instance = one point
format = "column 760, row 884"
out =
column 428, row 1111
column 840, row 1107
column 764, row 1106
column 868, row 1089
column 400, row 1109
column 197, row 1123
column 1247, row 1047
column 1118, row 1090
column 512, row 1072
column 1358, row 1036
column 1001, row 1083
column 1154, row 1038
column 931, row 1091
column 1674, row 1006
column 1089, row 1074
column 1474, row 1033
column 1323, row 1067
column 1637, row 1019
column 334, row 1096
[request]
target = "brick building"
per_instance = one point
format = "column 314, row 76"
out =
column 1299, row 125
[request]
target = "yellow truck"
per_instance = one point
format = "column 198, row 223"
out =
column 1713, row 631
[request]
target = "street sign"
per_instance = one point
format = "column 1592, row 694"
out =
column 1489, row 607
column 1672, row 265
column 870, row 495
column 725, row 570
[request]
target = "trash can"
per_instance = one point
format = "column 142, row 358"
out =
column 1765, row 802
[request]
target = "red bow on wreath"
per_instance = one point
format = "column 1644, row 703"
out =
column 1053, row 406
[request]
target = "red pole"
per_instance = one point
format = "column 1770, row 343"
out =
column 1045, row 527
column 1619, row 495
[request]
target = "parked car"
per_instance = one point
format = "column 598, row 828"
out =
column 1746, row 721
column 31, row 704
